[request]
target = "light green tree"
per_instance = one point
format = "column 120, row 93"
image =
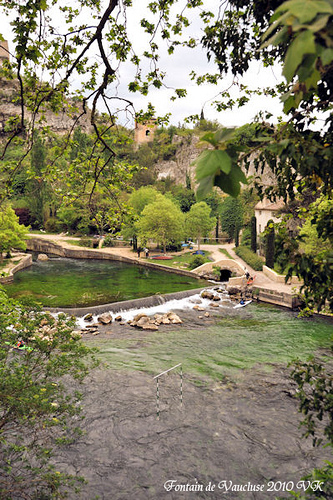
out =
column 161, row 221
column 142, row 197
column 12, row 233
column 199, row 221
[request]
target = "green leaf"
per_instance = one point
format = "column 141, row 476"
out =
column 210, row 138
column 205, row 186
column 302, row 45
column 210, row 162
column 230, row 183
column 306, row 10
column 327, row 56
column 224, row 134
column 278, row 37
column 319, row 24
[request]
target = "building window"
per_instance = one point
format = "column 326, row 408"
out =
column 259, row 228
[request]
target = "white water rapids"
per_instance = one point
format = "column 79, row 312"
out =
column 171, row 305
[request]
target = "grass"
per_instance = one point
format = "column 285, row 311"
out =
column 262, row 338
column 226, row 253
column 182, row 260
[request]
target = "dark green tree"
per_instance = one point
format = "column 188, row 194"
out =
column 270, row 244
column 254, row 234
column 231, row 213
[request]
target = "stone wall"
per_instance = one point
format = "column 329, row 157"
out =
column 277, row 298
column 280, row 278
column 50, row 248
column 60, row 122
column 26, row 261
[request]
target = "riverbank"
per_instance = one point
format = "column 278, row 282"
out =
column 264, row 288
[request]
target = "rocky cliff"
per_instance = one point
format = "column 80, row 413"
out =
column 182, row 166
column 58, row 122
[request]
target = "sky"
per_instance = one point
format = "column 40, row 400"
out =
column 177, row 68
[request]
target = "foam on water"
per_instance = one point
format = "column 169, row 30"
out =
column 171, row 305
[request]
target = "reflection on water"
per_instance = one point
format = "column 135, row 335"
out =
column 80, row 282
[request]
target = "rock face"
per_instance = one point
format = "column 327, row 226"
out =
column 180, row 167
column 60, row 122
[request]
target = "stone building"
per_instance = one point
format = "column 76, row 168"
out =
column 144, row 132
column 4, row 52
column 267, row 210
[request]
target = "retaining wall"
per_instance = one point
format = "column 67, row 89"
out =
column 49, row 247
column 283, row 299
column 280, row 278
column 26, row 261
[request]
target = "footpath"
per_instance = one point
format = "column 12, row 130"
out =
column 264, row 288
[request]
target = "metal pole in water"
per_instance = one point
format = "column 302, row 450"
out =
column 181, row 386
column 157, row 400
column 158, row 391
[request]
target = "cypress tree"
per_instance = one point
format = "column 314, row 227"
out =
column 270, row 244
column 254, row 234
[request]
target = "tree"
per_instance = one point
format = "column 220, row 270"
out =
column 231, row 216
column 38, row 398
column 142, row 197
column 270, row 244
column 199, row 221
column 254, row 234
column 12, row 233
column 161, row 221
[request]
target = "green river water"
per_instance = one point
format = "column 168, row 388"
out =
column 80, row 283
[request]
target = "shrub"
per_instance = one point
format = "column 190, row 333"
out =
column 197, row 261
column 52, row 225
column 108, row 241
column 250, row 258
column 86, row 242
column 246, row 237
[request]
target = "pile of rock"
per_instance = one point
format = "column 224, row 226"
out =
column 103, row 319
column 237, row 292
column 146, row 322
column 48, row 327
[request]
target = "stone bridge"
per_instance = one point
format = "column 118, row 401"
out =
column 230, row 265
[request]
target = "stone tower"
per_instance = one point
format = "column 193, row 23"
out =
column 144, row 132
column 4, row 52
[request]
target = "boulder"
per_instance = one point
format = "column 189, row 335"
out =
column 216, row 298
column 118, row 318
column 174, row 318
column 213, row 304
column 144, row 320
column 149, row 326
column 139, row 316
column 233, row 289
column 42, row 257
column 105, row 318
column 207, row 294
column 88, row 317
column 158, row 318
